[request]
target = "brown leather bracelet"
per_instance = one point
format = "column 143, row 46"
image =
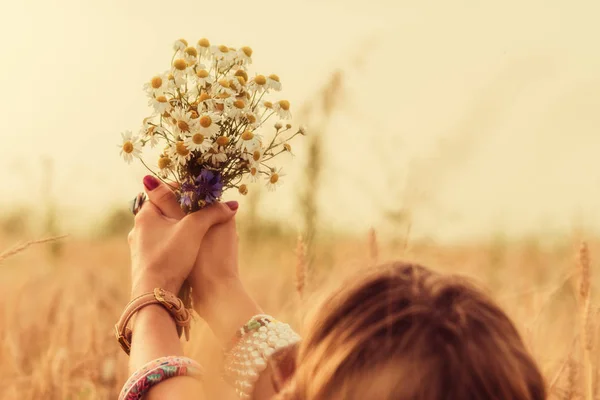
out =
column 174, row 305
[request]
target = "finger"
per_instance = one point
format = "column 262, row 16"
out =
column 199, row 222
column 147, row 215
column 161, row 195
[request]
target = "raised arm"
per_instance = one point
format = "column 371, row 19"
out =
column 163, row 252
column 220, row 298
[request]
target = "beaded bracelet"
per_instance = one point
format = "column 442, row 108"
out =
column 255, row 342
column 157, row 371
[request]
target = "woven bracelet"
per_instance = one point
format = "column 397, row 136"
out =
column 157, row 371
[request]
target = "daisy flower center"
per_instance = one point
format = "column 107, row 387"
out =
column 203, row 42
column 161, row 99
column 222, row 140
column 223, row 49
column 253, row 171
column 284, row 104
column 242, row 73
column 183, row 126
column 181, row 149
column 247, row 135
column 183, row 41
column 156, row 82
column 260, row 80
column 164, row 162
column 180, row 64
column 239, row 104
column 274, row 178
column 205, row 121
column 243, row 189
column 251, row 118
column 198, row 138
column 256, row 155
column 224, row 82
column 204, row 96
column 202, row 73
column 247, row 51
column 268, row 104
column 128, row 147
column 287, row 147
column 274, row 77
column 190, row 51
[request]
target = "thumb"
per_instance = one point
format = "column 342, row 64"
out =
column 199, row 222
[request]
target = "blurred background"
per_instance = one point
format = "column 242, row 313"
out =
column 459, row 134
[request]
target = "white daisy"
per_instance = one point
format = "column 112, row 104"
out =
column 274, row 179
column 282, row 108
column 241, row 73
column 238, row 108
column 160, row 104
column 273, row 82
column 206, row 102
column 245, row 55
column 259, row 84
column 203, row 47
column 179, row 153
column 249, row 141
column 254, row 174
column 131, row 146
column 157, row 85
column 180, row 44
column 224, row 86
column 216, row 155
column 180, row 71
column 252, row 119
column 223, row 101
column 197, row 142
column 184, row 124
column 165, row 166
column 207, row 124
column 203, row 78
column 222, row 53
column 150, row 132
column 190, row 55
column 286, row 146
column 237, row 84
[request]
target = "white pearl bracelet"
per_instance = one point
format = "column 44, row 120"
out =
column 260, row 338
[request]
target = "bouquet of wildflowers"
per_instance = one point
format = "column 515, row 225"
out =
column 208, row 112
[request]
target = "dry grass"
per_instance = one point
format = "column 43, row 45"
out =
column 56, row 319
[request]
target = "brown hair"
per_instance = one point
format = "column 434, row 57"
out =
column 404, row 332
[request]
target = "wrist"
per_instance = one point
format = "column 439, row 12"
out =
column 225, row 307
column 148, row 283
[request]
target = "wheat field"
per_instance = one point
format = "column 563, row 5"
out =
column 59, row 307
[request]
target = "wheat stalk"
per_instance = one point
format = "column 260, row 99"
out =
column 21, row 247
column 300, row 267
column 584, row 318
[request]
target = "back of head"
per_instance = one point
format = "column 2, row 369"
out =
column 403, row 332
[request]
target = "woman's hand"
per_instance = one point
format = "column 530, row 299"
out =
column 219, row 296
column 164, row 250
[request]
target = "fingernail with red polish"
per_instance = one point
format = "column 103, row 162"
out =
column 150, row 182
column 233, row 205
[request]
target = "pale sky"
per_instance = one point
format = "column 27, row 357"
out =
column 479, row 115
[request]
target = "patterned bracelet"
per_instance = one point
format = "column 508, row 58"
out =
column 255, row 342
column 157, row 371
